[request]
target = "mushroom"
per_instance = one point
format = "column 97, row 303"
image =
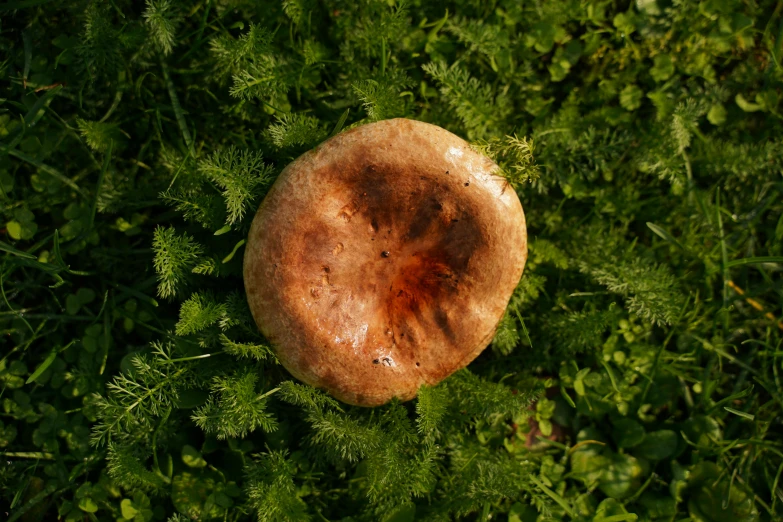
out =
column 384, row 259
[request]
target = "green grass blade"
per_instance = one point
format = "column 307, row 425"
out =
column 739, row 413
column 230, row 256
column 99, row 186
column 178, row 113
column 340, row 123
column 754, row 261
column 43, row 366
column 45, row 168
column 663, row 233
column 5, row 247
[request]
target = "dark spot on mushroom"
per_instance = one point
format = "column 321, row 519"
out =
column 442, row 320
column 385, row 253
column 467, row 183
column 417, row 363
column 376, row 361
column 387, row 361
column 420, row 224
column 447, row 172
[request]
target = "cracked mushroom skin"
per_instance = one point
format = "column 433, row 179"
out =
column 384, row 259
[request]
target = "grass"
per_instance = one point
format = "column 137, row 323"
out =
column 635, row 376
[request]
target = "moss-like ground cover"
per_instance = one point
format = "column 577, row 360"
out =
column 636, row 375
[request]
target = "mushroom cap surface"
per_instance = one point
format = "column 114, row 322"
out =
column 384, row 259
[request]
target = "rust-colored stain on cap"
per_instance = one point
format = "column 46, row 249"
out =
column 384, row 259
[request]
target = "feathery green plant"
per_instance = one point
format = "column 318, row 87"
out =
column 634, row 376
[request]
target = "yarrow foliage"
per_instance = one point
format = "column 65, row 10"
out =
column 634, row 374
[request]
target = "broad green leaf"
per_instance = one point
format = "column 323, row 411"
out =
column 189, row 493
column 610, row 510
column 663, row 68
column 192, row 457
column 628, row 433
column 223, row 500
column 128, row 511
column 72, row 304
column 721, row 501
column 522, row 513
column 717, row 114
column 14, row 229
column 657, row 445
column 85, row 295
column 702, row 430
column 621, row 477
column 23, row 215
column 6, row 182
column 587, row 464
column 625, row 23
column 88, row 505
column 649, row 7
column 631, row 97
column 658, row 506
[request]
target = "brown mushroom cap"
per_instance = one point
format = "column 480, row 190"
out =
column 383, row 259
